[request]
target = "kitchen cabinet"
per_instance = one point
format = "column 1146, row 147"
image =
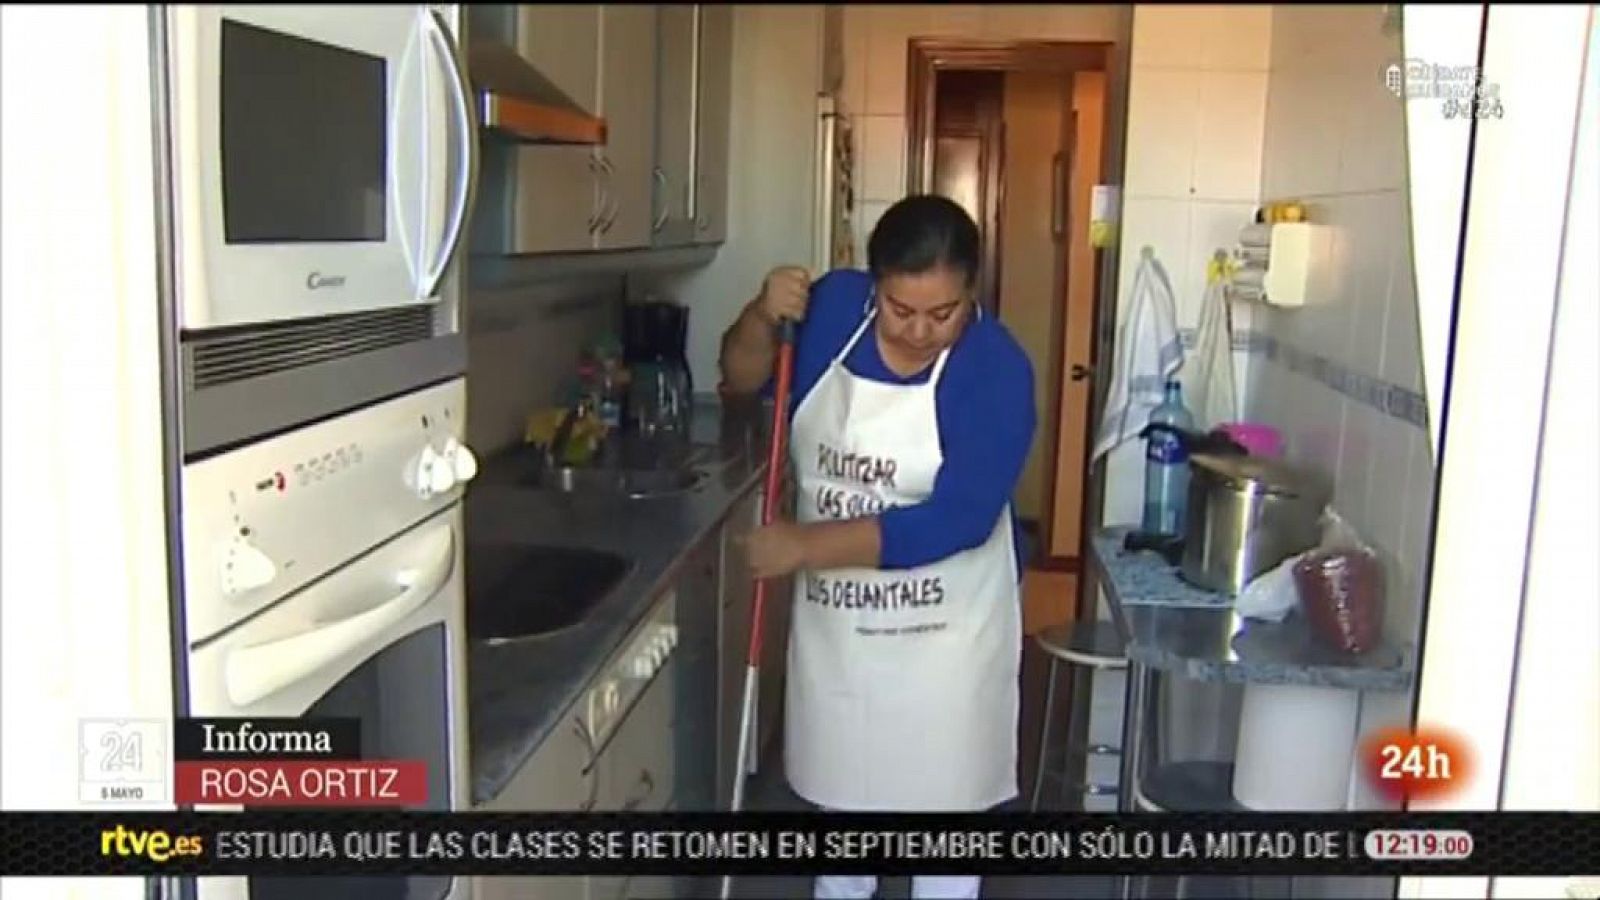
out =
column 697, row 677
column 558, row 778
column 714, row 98
column 542, row 199
column 678, row 30
column 662, row 79
column 627, row 100
column 637, row 775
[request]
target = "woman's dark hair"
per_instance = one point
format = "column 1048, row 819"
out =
column 921, row 233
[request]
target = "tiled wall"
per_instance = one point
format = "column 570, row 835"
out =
column 1342, row 376
column 1196, row 106
column 875, row 42
column 526, row 342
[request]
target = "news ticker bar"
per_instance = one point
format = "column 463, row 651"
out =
column 265, row 842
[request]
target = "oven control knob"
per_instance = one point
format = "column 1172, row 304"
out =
column 442, row 475
column 246, row 568
column 420, row 477
column 610, row 697
column 643, row 666
column 669, row 634
column 461, row 460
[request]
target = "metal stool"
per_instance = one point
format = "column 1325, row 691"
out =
column 1092, row 645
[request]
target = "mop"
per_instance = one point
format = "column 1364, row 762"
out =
column 776, row 450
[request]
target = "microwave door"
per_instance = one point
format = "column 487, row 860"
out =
column 450, row 151
column 300, row 159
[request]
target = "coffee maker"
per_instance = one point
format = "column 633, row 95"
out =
column 655, row 337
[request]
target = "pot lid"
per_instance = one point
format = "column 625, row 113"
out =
column 1264, row 475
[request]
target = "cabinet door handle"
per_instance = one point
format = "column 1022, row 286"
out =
column 642, row 789
column 660, row 175
column 590, row 768
column 599, row 200
column 616, row 203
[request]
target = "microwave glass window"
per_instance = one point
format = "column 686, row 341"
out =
column 304, row 140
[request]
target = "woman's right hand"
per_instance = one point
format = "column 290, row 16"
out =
column 784, row 294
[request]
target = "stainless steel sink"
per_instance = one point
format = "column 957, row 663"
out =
column 638, row 470
column 516, row 592
column 632, row 483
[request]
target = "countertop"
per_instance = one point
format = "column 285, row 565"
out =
column 1173, row 626
column 519, row 691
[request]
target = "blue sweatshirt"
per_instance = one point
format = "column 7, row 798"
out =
column 986, row 419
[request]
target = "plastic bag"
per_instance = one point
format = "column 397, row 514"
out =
column 1270, row 595
column 1341, row 588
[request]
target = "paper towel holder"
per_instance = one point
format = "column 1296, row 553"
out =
column 1280, row 279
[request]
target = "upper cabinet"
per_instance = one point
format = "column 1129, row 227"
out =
column 660, row 77
column 628, row 103
column 714, row 90
column 541, row 199
column 679, row 26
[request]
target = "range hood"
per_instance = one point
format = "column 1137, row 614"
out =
column 518, row 104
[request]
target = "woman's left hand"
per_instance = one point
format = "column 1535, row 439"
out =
column 776, row 550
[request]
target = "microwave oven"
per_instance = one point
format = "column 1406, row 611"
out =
column 322, row 159
column 318, row 169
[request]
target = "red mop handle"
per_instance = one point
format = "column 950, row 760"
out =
column 776, row 449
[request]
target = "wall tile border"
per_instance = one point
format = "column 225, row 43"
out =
column 1393, row 400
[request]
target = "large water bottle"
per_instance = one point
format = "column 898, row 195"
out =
column 1166, row 466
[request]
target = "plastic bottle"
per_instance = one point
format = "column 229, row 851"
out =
column 1166, row 467
column 610, row 395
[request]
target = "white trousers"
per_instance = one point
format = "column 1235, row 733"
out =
column 926, row 887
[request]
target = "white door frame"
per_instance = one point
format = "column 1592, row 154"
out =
column 1507, row 600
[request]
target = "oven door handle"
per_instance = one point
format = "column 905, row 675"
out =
column 261, row 670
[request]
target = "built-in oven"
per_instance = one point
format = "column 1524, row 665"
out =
column 319, row 168
column 323, row 578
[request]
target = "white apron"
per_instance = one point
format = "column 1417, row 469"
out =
column 902, row 687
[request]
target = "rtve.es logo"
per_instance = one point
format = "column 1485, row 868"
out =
column 155, row 845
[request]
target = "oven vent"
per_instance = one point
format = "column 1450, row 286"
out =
column 222, row 357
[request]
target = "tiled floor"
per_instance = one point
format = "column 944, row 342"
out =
column 769, row 791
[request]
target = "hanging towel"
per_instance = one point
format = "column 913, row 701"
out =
column 1208, row 374
column 1148, row 352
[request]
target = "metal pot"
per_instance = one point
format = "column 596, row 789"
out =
column 1247, row 514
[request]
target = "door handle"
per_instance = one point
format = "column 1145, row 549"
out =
column 641, row 792
column 264, row 669
column 614, row 202
column 1080, row 373
column 660, row 175
column 600, row 197
column 467, row 128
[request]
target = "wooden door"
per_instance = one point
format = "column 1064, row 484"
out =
column 968, row 158
column 1083, row 127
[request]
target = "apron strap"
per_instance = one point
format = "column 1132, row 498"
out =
column 944, row 355
column 872, row 310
